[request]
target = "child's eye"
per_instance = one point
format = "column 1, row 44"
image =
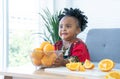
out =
column 60, row 26
column 68, row 26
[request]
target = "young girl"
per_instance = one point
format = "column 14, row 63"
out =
column 71, row 23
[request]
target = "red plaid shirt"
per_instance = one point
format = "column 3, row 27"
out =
column 78, row 49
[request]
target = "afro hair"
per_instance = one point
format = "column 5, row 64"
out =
column 78, row 14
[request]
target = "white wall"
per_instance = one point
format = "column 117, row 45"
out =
column 101, row 13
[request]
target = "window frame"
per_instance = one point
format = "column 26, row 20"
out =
column 5, row 35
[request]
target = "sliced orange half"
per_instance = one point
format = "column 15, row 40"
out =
column 74, row 66
column 106, row 65
column 88, row 64
column 113, row 75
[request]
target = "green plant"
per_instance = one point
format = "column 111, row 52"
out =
column 51, row 23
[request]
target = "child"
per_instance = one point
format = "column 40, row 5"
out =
column 71, row 23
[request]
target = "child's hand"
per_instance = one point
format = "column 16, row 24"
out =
column 60, row 61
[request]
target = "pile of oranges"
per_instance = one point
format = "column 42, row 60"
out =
column 44, row 55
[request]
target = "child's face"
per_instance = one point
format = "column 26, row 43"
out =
column 68, row 28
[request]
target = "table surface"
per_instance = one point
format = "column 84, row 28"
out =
column 52, row 73
column 42, row 74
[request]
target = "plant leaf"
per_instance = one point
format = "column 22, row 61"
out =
column 51, row 24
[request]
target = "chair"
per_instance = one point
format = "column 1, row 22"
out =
column 104, row 43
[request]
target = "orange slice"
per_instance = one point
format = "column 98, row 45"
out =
column 82, row 68
column 106, row 65
column 113, row 75
column 88, row 64
column 74, row 66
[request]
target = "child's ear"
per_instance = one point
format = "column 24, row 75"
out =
column 78, row 31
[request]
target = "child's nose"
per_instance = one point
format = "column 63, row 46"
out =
column 64, row 28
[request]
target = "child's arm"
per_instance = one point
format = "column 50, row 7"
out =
column 80, row 51
column 60, row 61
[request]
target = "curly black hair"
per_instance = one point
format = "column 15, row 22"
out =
column 78, row 14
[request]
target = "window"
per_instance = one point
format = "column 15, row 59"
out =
column 23, row 22
column 18, row 25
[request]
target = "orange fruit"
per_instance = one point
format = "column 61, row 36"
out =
column 74, row 66
column 88, row 64
column 43, row 44
column 113, row 75
column 106, row 65
column 48, row 49
column 37, row 53
column 48, row 60
column 82, row 68
column 36, row 62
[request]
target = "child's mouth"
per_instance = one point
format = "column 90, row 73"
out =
column 64, row 33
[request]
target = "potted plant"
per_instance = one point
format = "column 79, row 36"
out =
column 51, row 24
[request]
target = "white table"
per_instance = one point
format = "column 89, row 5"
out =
column 42, row 74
